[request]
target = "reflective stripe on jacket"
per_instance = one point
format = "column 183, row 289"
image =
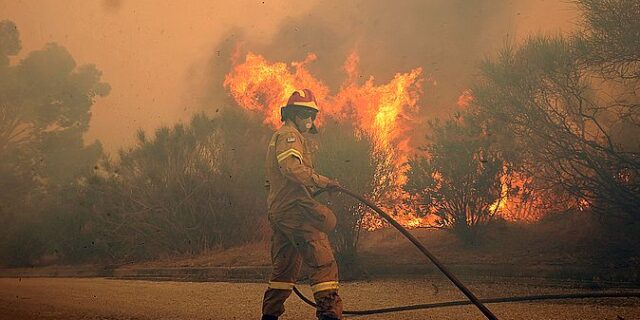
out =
column 290, row 171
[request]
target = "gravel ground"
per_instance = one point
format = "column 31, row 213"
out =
column 96, row 298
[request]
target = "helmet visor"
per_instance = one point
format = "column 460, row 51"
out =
column 304, row 113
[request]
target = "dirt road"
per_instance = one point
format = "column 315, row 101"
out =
column 96, row 298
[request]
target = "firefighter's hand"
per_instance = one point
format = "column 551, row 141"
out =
column 332, row 187
column 332, row 184
column 323, row 182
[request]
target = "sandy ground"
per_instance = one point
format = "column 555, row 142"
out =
column 96, row 298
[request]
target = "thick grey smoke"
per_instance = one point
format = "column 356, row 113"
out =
column 447, row 38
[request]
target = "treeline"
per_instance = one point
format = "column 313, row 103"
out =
column 186, row 189
column 553, row 127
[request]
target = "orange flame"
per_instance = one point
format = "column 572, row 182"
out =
column 517, row 202
column 383, row 112
column 522, row 205
column 261, row 86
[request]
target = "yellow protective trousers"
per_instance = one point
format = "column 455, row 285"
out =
column 296, row 241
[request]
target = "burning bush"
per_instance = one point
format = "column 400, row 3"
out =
column 458, row 179
column 566, row 110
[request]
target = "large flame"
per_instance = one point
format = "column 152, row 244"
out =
column 262, row 86
column 383, row 112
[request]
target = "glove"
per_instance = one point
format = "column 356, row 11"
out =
column 324, row 182
column 333, row 184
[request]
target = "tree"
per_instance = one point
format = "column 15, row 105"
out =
column 610, row 40
column 459, row 177
column 568, row 109
column 45, row 103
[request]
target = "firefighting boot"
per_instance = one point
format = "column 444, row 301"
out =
column 268, row 317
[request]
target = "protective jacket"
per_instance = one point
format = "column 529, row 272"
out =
column 290, row 172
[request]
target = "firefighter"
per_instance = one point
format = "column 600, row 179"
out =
column 299, row 223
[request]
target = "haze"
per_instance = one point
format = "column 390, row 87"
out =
column 165, row 60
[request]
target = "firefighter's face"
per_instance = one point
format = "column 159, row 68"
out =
column 304, row 121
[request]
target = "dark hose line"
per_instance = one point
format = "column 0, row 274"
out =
column 472, row 298
column 487, row 313
column 485, row 301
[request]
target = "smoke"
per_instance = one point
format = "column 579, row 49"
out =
column 447, row 38
column 112, row 5
column 440, row 36
column 166, row 60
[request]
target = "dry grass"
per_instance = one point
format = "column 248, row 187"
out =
column 254, row 254
column 575, row 243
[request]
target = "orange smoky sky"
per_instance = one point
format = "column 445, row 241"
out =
column 159, row 56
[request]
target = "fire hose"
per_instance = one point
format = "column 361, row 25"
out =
column 479, row 303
